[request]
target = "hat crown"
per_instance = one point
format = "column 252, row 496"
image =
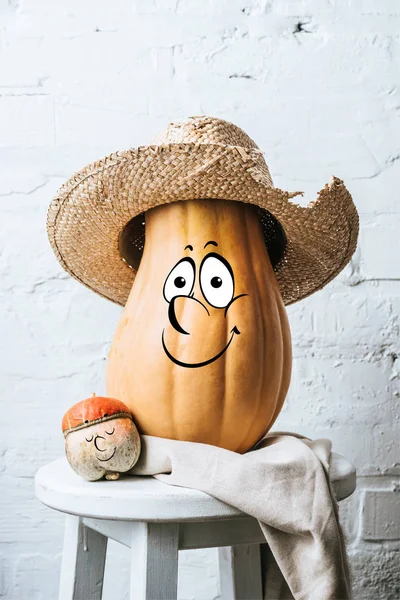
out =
column 205, row 130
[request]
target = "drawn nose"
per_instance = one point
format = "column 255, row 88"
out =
column 95, row 442
column 172, row 312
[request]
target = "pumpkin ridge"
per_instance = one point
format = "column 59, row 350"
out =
column 285, row 362
column 255, row 274
column 279, row 335
column 223, row 395
column 242, row 215
column 222, row 403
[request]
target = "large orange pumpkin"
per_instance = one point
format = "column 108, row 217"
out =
column 202, row 351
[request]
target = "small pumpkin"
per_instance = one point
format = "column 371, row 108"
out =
column 101, row 438
column 202, row 351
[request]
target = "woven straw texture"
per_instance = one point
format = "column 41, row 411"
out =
column 203, row 157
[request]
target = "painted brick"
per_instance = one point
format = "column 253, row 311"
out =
column 26, row 120
column 381, row 515
column 22, row 69
column 35, row 575
column 2, row 577
column 380, row 247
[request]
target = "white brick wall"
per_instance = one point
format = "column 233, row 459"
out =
column 376, row 503
column 316, row 83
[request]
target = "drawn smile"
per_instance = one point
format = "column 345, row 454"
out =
column 200, row 364
column 106, row 459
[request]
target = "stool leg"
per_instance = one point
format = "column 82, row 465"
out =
column 154, row 561
column 240, row 572
column 83, row 561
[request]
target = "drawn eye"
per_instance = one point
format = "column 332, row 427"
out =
column 111, row 432
column 216, row 280
column 89, row 440
column 180, row 280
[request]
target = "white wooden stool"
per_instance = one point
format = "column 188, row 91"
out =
column 155, row 520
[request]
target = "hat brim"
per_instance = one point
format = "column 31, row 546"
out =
column 91, row 209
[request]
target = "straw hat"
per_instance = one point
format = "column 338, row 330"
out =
column 96, row 222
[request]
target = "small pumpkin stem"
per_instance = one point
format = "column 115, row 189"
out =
column 93, row 394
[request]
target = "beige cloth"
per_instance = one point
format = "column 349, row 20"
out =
column 283, row 483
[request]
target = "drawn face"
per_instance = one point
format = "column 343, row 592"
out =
column 106, row 446
column 215, row 294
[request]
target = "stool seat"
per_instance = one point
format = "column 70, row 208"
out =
column 156, row 520
column 144, row 498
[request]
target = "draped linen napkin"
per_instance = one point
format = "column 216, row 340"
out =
column 283, row 482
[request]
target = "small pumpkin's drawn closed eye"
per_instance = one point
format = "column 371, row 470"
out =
column 89, row 440
column 108, row 433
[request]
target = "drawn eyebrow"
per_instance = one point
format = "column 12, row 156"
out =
column 212, row 243
column 188, row 246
